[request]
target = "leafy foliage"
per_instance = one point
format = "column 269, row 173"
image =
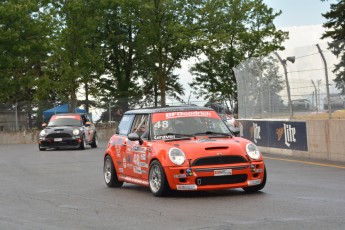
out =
column 119, row 54
column 237, row 30
column 336, row 31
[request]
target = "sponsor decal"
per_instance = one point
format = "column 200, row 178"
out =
column 118, row 149
column 205, row 140
column 163, row 137
column 290, row 134
column 276, row 134
column 187, row 187
column 144, row 165
column 124, row 162
column 121, row 170
column 189, row 172
column 134, row 180
column 143, row 156
column 222, row 172
column 188, row 114
column 137, row 169
column 128, row 158
column 136, row 159
column 180, row 176
column 135, row 148
column 143, row 171
column 61, row 117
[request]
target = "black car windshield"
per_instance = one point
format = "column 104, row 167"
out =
column 189, row 126
column 64, row 122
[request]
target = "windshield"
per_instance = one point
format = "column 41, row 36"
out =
column 169, row 127
column 64, row 121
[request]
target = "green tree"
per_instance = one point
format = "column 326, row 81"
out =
column 237, row 30
column 171, row 35
column 75, row 58
column 336, row 31
column 24, row 47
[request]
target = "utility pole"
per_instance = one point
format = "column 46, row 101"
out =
column 283, row 62
column 316, row 103
column 327, row 84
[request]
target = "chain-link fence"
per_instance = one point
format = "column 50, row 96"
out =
column 289, row 84
column 283, row 85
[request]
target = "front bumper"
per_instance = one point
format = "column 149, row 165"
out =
column 60, row 142
column 215, row 177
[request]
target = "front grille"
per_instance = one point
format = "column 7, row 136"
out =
column 59, row 135
column 53, row 144
column 218, row 180
column 219, row 160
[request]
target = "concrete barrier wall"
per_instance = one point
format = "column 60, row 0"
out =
column 326, row 140
column 31, row 137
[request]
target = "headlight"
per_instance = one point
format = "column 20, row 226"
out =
column 42, row 133
column 253, row 151
column 177, row 156
column 76, row 132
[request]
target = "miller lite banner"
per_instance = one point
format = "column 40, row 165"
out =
column 275, row 134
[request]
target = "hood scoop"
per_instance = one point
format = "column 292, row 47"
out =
column 216, row 148
column 58, row 129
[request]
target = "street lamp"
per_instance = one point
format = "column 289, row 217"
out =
column 283, row 62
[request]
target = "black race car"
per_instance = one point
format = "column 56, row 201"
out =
column 70, row 130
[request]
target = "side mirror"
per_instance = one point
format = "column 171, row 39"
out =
column 135, row 137
column 44, row 125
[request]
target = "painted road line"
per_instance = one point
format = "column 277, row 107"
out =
column 306, row 162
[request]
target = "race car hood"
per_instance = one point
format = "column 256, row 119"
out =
column 208, row 147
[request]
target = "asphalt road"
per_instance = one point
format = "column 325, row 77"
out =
column 64, row 189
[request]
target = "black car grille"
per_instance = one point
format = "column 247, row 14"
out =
column 219, row 160
column 59, row 135
column 218, row 180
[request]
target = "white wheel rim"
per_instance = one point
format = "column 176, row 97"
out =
column 155, row 178
column 107, row 171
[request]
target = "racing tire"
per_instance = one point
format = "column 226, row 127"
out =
column 255, row 188
column 83, row 143
column 110, row 175
column 157, row 180
column 94, row 143
column 41, row 148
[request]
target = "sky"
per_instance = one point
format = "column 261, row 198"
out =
column 299, row 12
column 302, row 19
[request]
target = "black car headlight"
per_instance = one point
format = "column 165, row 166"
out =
column 253, row 151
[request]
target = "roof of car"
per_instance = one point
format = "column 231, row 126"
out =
column 167, row 109
column 68, row 114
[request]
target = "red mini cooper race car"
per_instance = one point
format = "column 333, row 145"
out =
column 181, row 148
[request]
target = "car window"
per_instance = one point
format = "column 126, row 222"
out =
column 188, row 123
column 140, row 125
column 125, row 124
column 65, row 121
